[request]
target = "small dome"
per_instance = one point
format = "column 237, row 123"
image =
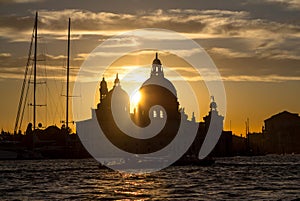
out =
column 213, row 105
column 156, row 60
column 119, row 92
column 122, row 95
column 161, row 81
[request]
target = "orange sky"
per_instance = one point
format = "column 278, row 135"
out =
column 256, row 52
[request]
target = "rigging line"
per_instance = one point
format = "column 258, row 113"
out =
column 62, row 89
column 56, row 107
column 21, row 101
column 46, row 92
column 51, row 104
column 68, row 72
column 23, row 85
column 25, row 98
column 26, row 106
column 34, row 74
column 43, row 47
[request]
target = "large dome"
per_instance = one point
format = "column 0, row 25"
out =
column 161, row 81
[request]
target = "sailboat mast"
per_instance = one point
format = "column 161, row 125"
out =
column 68, row 72
column 34, row 70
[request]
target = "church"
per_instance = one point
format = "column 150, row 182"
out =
column 156, row 90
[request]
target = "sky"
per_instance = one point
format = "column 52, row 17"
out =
column 255, row 45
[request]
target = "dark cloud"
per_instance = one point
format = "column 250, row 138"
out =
column 241, row 38
column 257, row 66
column 19, row 1
column 215, row 22
column 16, row 23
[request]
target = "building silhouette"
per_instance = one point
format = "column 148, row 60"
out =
column 54, row 142
column 282, row 133
column 157, row 90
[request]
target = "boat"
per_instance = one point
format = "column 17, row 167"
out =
column 38, row 142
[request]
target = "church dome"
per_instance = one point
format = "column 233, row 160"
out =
column 119, row 92
column 157, row 77
column 161, row 81
column 121, row 97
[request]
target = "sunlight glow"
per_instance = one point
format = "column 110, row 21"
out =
column 135, row 98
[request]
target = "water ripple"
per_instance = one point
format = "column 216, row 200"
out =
column 237, row 178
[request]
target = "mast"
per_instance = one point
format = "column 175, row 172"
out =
column 68, row 71
column 34, row 70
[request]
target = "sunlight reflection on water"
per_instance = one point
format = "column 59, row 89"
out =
column 247, row 178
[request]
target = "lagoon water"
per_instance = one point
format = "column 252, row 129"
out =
column 271, row 177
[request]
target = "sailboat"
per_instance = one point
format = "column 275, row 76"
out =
column 51, row 142
column 26, row 82
column 14, row 148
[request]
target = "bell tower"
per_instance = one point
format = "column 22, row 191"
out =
column 103, row 89
column 213, row 114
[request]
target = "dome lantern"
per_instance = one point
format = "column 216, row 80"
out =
column 157, row 69
column 156, row 60
column 213, row 104
column 157, row 77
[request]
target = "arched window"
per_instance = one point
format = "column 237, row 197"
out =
column 161, row 114
column 154, row 113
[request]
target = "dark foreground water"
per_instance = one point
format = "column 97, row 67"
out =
column 237, row 178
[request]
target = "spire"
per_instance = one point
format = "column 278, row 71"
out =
column 103, row 82
column 117, row 81
column 193, row 117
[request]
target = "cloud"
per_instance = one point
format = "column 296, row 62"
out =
column 21, row 1
column 56, row 73
column 217, row 23
column 229, row 52
column 269, row 53
column 227, row 35
column 290, row 4
column 268, row 78
column 280, row 54
column 107, row 23
column 50, row 66
column 54, row 57
column 5, row 55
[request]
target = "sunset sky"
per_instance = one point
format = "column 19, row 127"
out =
column 255, row 45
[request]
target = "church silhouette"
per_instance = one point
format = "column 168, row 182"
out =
column 156, row 90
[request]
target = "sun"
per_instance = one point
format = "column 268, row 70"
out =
column 135, row 98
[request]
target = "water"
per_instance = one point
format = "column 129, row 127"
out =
column 237, row 178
